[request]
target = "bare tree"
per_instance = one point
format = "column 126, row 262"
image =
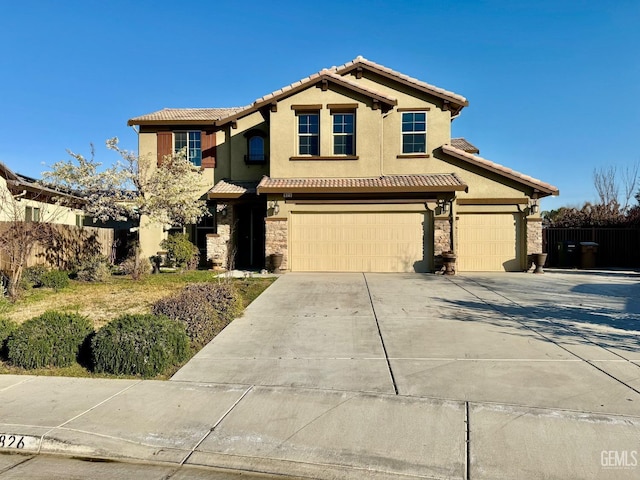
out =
column 606, row 184
column 26, row 224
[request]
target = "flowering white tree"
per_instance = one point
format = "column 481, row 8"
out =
column 168, row 193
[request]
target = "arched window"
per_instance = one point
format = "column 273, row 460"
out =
column 255, row 147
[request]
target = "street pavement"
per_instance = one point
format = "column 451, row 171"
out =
column 479, row 376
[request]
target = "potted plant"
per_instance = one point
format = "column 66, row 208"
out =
column 449, row 261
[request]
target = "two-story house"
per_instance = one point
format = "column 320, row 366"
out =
column 350, row 169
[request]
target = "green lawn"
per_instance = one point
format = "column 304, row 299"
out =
column 102, row 302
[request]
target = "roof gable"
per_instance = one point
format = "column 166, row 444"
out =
column 456, row 102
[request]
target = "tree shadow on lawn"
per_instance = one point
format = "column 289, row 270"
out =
column 586, row 323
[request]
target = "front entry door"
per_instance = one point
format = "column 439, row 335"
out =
column 250, row 236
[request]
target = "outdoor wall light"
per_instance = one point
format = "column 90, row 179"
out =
column 443, row 205
column 533, row 205
column 273, row 205
column 224, row 212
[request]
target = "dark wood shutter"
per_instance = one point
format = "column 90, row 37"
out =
column 208, row 144
column 165, row 145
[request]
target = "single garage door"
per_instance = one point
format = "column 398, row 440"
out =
column 357, row 242
column 488, row 243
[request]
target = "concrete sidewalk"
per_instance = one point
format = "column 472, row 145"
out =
column 497, row 376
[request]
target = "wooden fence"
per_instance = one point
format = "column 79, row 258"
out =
column 65, row 244
column 617, row 247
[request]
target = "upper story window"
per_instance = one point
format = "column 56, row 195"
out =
column 308, row 134
column 414, row 132
column 192, row 142
column 256, row 150
column 343, row 133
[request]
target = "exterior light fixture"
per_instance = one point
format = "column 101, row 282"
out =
column 533, row 205
column 273, row 205
column 443, row 205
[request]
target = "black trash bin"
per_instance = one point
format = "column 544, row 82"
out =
column 588, row 253
column 568, row 254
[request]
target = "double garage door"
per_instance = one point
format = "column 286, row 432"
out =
column 358, row 242
column 488, row 242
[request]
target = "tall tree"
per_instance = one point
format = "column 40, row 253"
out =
column 168, row 193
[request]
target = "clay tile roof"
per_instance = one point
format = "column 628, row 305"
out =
column 440, row 92
column 232, row 189
column 545, row 188
column 185, row 115
column 391, row 183
column 463, row 144
column 328, row 74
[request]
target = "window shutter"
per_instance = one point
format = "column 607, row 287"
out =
column 165, row 144
column 208, row 149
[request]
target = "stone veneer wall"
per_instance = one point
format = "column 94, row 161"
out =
column 276, row 239
column 441, row 236
column 218, row 243
column 534, row 235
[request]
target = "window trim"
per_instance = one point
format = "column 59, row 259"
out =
column 413, row 132
column 299, row 136
column 188, row 139
column 335, row 136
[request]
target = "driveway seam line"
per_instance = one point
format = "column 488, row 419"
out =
column 384, row 347
column 467, row 444
column 229, row 410
column 588, row 362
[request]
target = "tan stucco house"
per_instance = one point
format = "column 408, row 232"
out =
column 350, row 169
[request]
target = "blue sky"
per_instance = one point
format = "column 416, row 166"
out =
column 553, row 86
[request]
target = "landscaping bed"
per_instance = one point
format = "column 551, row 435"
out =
column 130, row 303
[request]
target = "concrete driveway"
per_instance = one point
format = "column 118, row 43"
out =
column 566, row 341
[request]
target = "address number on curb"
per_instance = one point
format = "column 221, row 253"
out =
column 18, row 442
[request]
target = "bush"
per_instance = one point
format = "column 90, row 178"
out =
column 7, row 327
column 136, row 269
column 53, row 339
column 181, row 251
column 32, row 276
column 139, row 345
column 205, row 308
column 94, row 269
column 56, row 279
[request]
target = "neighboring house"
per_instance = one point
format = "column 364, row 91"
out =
column 23, row 199
column 350, row 169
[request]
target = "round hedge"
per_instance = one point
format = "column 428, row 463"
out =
column 205, row 308
column 139, row 345
column 53, row 339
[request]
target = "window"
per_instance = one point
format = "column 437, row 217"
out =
column 256, row 149
column 31, row 214
column 190, row 141
column 308, row 134
column 343, row 133
column 414, row 132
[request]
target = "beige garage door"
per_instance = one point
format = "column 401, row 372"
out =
column 357, row 242
column 488, row 243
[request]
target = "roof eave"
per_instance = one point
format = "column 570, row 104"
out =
column 455, row 105
column 298, row 88
column 356, row 190
column 540, row 187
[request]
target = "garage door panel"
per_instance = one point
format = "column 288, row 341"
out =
column 357, row 242
column 488, row 242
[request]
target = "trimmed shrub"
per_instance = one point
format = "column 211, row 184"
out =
column 32, row 276
column 56, row 279
column 53, row 339
column 94, row 269
column 139, row 345
column 205, row 308
column 7, row 327
column 180, row 251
